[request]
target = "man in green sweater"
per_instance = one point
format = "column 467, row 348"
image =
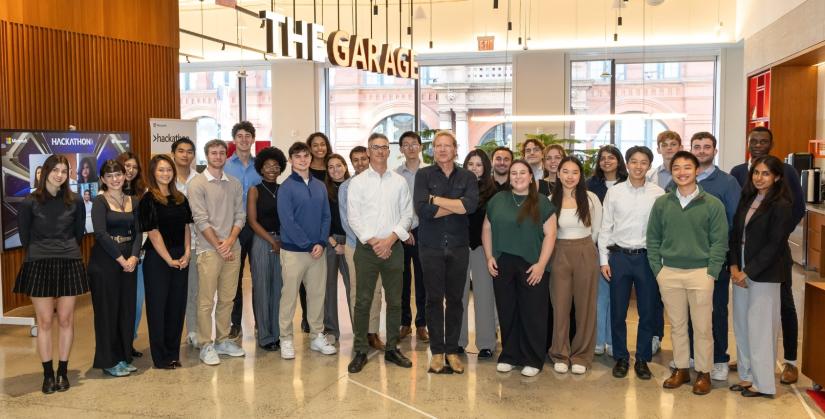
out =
column 687, row 238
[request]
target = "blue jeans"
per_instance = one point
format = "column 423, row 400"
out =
column 603, row 313
column 141, row 293
column 627, row 271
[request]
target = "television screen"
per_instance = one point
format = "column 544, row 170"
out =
column 23, row 153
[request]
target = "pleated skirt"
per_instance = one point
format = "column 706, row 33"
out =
column 54, row 277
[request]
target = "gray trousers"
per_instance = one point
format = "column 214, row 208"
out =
column 756, row 326
column 335, row 263
column 266, row 289
column 485, row 303
column 192, row 295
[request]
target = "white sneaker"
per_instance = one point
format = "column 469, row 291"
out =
column 578, row 369
column 560, row 367
column 192, row 339
column 502, row 367
column 672, row 364
column 529, row 371
column 330, row 338
column 719, row 371
column 287, row 350
column 608, row 349
column 320, row 344
column 656, row 345
column 229, row 348
column 209, row 356
column 599, row 350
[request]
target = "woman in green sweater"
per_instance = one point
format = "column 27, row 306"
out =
column 687, row 239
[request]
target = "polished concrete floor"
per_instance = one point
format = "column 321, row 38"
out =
column 315, row 385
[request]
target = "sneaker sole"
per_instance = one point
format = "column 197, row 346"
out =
column 225, row 355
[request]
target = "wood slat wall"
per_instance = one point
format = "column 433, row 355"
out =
column 52, row 78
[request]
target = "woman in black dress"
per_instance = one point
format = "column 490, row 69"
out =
column 112, row 275
column 134, row 185
column 165, row 216
column 51, row 224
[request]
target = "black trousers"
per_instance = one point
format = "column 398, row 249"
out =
column 522, row 313
column 166, row 290
column 245, row 239
column 413, row 262
column 790, row 323
column 114, row 294
column 445, row 274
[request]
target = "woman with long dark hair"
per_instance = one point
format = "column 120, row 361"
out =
column 320, row 148
column 610, row 170
column 112, row 276
column 86, row 171
column 337, row 173
column 134, row 185
column 165, row 216
column 760, row 260
column 518, row 235
column 479, row 164
column 552, row 157
column 575, row 268
column 51, row 225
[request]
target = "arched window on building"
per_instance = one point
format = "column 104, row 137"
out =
column 395, row 125
column 501, row 135
column 632, row 132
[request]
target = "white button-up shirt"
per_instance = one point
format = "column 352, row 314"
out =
column 379, row 205
column 685, row 200
column 625, row 215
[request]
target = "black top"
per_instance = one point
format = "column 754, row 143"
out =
column 170, row 220
column 267, row 206
column 51, row 229
column 476, row 223
column 107, row 223
column 319, row 174
column 740, row 172
column 598, row 186
column 451, row 230
column 502, row 186
column 336, row 227
column 545, row 187
column 767, row 254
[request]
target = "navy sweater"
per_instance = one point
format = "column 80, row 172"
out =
column 304, row 213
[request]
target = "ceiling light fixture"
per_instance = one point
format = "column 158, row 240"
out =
column 223, row 47
column 263, row 23
column 579, row 118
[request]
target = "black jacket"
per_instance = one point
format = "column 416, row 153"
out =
column 767, row 255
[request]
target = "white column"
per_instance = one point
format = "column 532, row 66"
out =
column 462, row 134
column 445, row 120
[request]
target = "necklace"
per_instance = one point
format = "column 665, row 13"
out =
column 274, row 196
column 121, row 204
column 518, row 204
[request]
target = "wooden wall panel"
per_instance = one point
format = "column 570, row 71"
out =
column 52, row 78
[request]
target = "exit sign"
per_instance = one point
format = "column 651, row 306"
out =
column 486, row 43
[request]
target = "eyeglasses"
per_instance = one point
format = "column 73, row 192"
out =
column 271, row 166
column 376, row 147
column 532, row 150
column 412, row 146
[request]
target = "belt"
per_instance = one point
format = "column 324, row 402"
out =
column 121, row 239
column 619, row 249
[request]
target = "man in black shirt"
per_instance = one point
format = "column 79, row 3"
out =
column 444, row 193
column 502, row 159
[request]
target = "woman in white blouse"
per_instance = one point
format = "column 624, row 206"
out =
column 574, row 274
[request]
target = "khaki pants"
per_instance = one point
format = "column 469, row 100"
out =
column 375, row 309
column 216, row 275
column 683, row 290
column 298, row 267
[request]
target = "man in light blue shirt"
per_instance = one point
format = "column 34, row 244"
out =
column 241, row 166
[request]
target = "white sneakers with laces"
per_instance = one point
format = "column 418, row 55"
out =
column 320, row 344
column 209, row 356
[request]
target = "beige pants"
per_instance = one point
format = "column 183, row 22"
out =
column 216, row 275
column 375, row 309
column 683, row 290
column 297, row 267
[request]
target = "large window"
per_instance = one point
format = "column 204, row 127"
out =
column 647, row 99
column 211, row 97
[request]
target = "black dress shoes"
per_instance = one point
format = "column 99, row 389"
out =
column 271, row 347
column 62, row 383
column 176, row 364
column 135, row 353
column 620, row 369
column 642, row 371
column 747, row 392
column 48, row 385
column 396, row 357
column 485, row 354
column 357, row 363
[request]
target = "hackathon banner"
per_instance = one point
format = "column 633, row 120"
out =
column 24, row 152
column 164, row 132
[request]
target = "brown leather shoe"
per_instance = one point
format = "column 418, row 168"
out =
column 454, row 361
column 374, row 341
column 702, row 385
column 437, row 365
column 790, row 374
column 404, row 332
column 677, row 378
column 422, row 335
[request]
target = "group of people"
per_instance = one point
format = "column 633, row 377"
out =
column 551, row 257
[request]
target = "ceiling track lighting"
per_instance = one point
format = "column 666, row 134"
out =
column 223, row 47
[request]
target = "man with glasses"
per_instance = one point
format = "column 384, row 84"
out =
column 380, row 213
column 443, row 196
column 502, row 159
column 533, row 152
column 410, row 143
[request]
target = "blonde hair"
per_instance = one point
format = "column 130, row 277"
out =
column 446, row 134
